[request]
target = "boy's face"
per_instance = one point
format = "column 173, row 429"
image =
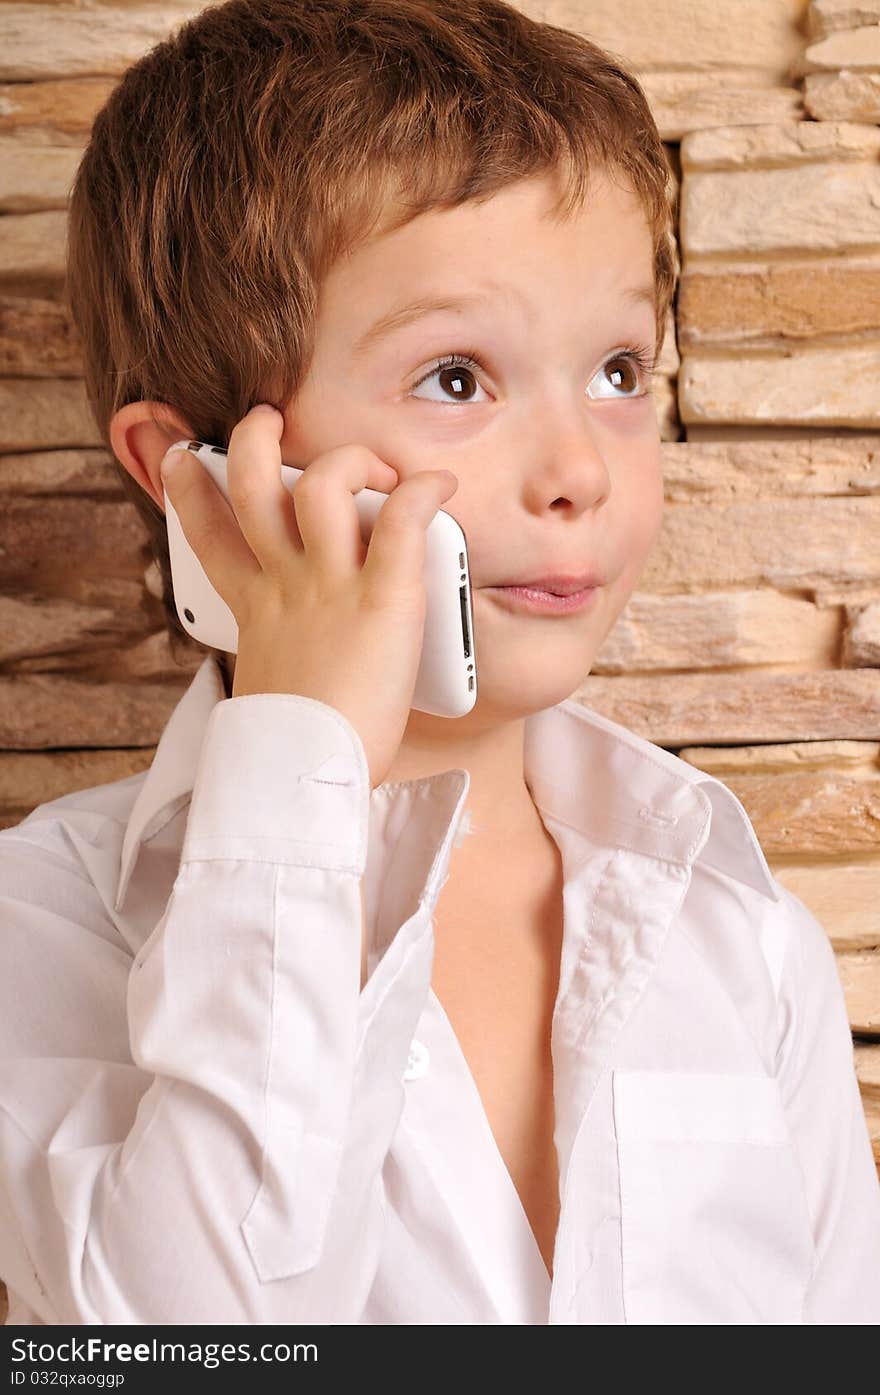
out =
column 556, row 450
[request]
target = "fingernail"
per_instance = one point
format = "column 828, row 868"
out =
column 265, row 407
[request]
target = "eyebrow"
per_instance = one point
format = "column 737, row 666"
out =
column 402, row 315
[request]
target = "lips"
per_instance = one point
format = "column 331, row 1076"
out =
column 557, row 585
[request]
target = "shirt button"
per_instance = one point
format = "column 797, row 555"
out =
column 417, row 1061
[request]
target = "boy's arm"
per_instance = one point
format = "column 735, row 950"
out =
column 200, row 1184
column 824, row 1109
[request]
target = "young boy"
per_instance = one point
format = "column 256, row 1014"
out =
column 281, row 1044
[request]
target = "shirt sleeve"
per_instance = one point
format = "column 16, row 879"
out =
column 195, row 1135
column 826, row 1117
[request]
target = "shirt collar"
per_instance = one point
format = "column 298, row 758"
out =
column 582, row 768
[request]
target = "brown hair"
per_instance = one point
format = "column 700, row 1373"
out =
column 236, row 160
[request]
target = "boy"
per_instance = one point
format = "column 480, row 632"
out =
column 326, row 1060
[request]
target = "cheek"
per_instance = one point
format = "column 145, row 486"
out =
column 648, row 496
column 474, row 509
column 654, row 505
column 644, row 523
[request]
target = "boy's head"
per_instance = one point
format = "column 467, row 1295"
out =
column 279, row 175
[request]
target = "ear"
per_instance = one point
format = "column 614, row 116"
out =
column 140, row 434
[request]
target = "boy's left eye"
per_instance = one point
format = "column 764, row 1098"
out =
column 631, row 367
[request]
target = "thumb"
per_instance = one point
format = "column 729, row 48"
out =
column 170, row 465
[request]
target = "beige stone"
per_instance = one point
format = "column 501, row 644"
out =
column 141, row 652
column 153, row 580
column 33, row 627
column 684, row 101
column 871, row 1106
column 33, row 252
column 716, row 629
column 851, row 48
column 849, row 597
column 58, row 111
column 48, row 544
column 826, row 16
column 151, row 658
column 784, row 144
column 123, row 593
column 842, row 893
column 35, row 177
column 813, row 813
column 858, row 759
column 872, row 1119
column 685, row 709
column 867, row 1064
column 90, row 472
column 44, row 711
column 666, row 408
column 834, row 386
column 43, row 413
column 699, row 433
column 771, row 303
column 38, row 339
column 72, row 41
column 763, row 467
column 791, row 544
column 36, row 777
column 860, row 979
column 756, row 38
column 844, row 96
column 814, row 207
column 669, row 362
column 861, row 639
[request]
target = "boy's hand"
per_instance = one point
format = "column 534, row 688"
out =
column 319, row 613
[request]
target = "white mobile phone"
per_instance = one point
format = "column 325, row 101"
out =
column 446, row 685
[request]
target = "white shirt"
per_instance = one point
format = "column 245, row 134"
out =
column 205, row 1119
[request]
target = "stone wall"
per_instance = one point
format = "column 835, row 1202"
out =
column 752, row 647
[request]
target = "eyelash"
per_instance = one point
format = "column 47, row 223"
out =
column 640, row 354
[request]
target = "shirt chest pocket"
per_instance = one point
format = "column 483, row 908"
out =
column 714, row 1222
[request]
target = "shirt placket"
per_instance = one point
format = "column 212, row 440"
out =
column 629, row 919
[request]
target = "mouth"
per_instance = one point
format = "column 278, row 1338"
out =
column 542, row 601
column 556, row 585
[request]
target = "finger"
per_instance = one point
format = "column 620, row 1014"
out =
column 209, row 525
column 326, row 512
column 261, row 502
column 396, row 554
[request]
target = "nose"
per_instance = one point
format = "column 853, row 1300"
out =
column 568, row 460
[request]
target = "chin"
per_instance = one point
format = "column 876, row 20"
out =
column 524, row 689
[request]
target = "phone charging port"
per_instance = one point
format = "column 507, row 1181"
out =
column 465, row 628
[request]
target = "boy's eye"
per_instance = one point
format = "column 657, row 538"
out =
column 455, row 377
column 627, row 374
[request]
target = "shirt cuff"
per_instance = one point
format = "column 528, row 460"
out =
column 281, row 778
